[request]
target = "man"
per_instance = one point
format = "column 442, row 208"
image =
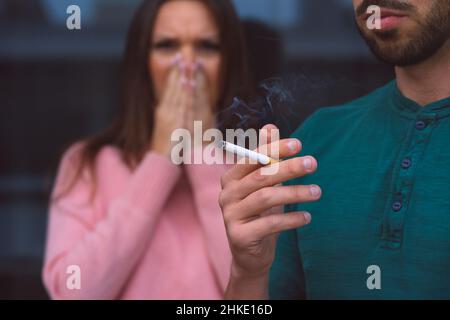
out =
column 378, row 227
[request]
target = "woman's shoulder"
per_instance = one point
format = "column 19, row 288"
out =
column 106, row 154
column 109, row 154
column 107, row 162
column 77, row 177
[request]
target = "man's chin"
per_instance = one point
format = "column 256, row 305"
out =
column 388, row 48
column 386, row 36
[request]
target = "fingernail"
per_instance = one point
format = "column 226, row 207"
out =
column 315, row 191
column 293, row 145
column 307, row 216
column 308, row 164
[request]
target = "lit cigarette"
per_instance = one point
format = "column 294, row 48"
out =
column 245, row 153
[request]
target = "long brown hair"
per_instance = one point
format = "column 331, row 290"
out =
column 131, row 130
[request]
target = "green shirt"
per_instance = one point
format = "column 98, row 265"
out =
column 384, row 169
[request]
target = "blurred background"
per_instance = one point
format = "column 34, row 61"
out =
column 57, row 86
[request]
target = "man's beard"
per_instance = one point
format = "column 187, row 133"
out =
column 430, row 36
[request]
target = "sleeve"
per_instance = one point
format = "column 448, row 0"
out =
column 205, row 182
column 104, row 251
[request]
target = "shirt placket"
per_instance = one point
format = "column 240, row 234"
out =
column 403, row 179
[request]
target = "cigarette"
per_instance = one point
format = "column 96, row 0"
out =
column 242, row 152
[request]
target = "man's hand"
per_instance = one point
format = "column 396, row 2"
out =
column 249, row 202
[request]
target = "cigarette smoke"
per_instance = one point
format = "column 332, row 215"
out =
column 282, row 101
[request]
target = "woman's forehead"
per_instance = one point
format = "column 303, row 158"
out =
column 185, row 17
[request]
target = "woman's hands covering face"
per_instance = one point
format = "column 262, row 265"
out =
column 184, row 101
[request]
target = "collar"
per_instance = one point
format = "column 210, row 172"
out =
column 412, row 110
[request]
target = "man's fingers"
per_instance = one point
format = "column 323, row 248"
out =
column 284, row 171
column 274, row 224
column 269, row 133
column 270, row 197
column 275, row 149
column 286, row 148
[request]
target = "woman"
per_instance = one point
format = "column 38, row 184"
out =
column 125, row 222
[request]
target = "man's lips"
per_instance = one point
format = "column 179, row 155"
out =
column 385, row 12
column 390, row 18
column 391, row 22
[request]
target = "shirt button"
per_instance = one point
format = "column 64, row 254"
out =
column 406, row 163
column 397, row 206
column 421, row 125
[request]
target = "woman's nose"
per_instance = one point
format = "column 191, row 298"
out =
column 188, row 55
column 189, row 58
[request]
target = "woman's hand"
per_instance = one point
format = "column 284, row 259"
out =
column 202, row 110
column 185, row 100
column 172, row 110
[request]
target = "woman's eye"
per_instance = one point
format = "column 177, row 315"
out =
column 165, row 45
column 208, row 46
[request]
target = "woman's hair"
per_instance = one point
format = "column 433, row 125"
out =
column 132, row 128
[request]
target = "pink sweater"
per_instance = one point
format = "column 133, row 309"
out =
column 155, row 233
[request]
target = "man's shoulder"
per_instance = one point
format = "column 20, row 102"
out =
column 327, row 118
